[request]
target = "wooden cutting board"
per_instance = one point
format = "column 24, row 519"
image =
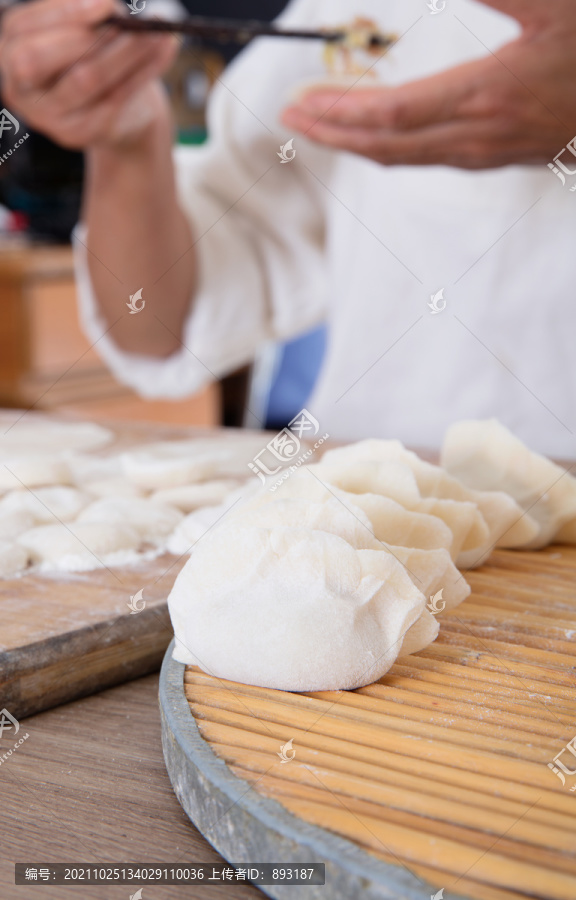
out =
column 436, row 777
column 70, row 635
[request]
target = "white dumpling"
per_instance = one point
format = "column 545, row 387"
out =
column 13, row 559
column 46, row 504
column 430, row 570
column 37, row 434
column 80, row 545
column 153, row 521
column 174, row 463
column 189, row 497
column 15, row 523
column 504, row 518
column 32, row 470
column 486, row 456
column 86, row 468
column 396, row 480
column 291, row 609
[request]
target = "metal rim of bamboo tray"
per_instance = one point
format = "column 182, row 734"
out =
column 244, row 826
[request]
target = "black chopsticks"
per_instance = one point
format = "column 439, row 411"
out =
column 237, row 32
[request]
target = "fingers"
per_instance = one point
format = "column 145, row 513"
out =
column 113, row 115
column 48, row 14
column 92, row 79
column 439, row 98
column 33, row 63
column 468, row 144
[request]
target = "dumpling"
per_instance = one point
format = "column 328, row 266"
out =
column 189, row 497
column 507, row 524
column 173, row 463
column 153, row 521
column 430, row 570
column 293, row 609
column 80, row 545
column 486, row 456
column 46, row 504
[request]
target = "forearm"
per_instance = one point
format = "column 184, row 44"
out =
column 139, row 238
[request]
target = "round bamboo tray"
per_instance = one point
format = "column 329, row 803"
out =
column 436, row 780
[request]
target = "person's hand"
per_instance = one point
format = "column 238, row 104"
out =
column 83, row 84
column 516, row 106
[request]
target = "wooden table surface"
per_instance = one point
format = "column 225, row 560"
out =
column 89, row 785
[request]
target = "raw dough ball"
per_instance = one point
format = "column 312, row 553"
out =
column 80, row 545
column 486, row 456
column 175, row 463
column 47, row 504
column 194, row 496
column 13, row 559
column 292, row 609
column 15, row 523
column 152, row 521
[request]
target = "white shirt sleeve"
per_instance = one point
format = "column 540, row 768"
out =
column 258, row 225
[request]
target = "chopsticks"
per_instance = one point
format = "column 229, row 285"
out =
column 237, row 32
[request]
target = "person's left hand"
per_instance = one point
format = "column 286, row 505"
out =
column 515, row 106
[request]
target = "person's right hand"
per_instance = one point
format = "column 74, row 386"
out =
column 82, row 85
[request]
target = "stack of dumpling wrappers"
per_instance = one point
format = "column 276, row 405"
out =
column 324, row 582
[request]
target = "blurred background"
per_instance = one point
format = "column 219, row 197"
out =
column 45, row 360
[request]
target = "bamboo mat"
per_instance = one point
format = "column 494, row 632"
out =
column 442, row 765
